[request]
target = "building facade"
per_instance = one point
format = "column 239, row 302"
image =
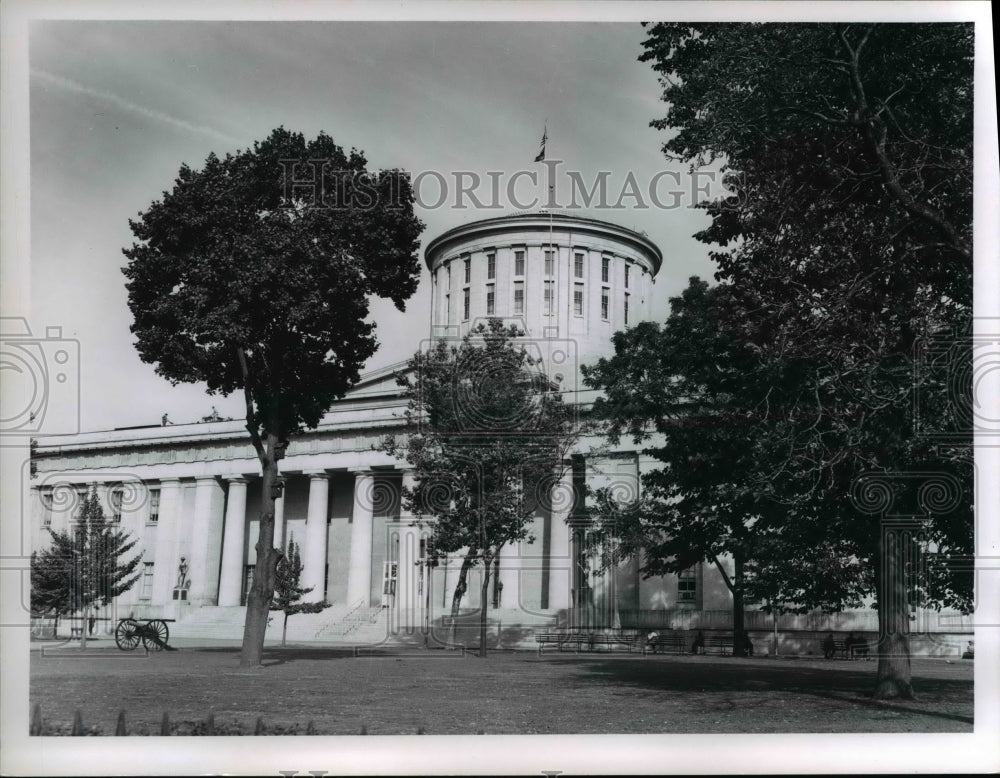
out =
column 191, row 493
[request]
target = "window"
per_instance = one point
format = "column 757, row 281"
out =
column 490, row 301
column 578, row 300
column 687, row 586
column 547, row 299
column 115, row 503
column 627, row 269
column 626, row 309
column 45, row 498
column 465, row 304
column 154, row 506
column 605, row 302
column 550, row 262
column 146, row 590
column 519, row 297
column 81, row 495
column 467, row 264
column 491, row 266
column 519, row 263
column 578, row 266
column 605, row 269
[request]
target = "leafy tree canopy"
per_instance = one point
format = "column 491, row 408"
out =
column 845, row 249
column 488, row 435
column 232, row 262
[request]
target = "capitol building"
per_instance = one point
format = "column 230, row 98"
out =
column 191, row 493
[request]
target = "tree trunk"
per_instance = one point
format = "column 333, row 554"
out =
column 483, row 609
column 262, row 587
column 460, row 587
column 284, row 629
column 735, row 586
column 893, row 679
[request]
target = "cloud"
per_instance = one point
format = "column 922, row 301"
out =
column 102, row 94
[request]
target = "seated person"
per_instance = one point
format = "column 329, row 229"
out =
column 699, row 643
column 856, row 646
column 744, row 646
column 829, row 646
column 651, row 639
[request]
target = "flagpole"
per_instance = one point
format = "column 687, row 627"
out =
column 554, row 308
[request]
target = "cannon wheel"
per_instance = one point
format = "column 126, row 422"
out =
column 127, row 634
column 155, row 636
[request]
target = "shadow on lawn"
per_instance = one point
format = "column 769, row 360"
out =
column 703, row 676
column 279, row 656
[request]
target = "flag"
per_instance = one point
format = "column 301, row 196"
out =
column 545, row 137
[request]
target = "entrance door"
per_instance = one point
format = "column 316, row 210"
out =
column 390, row 573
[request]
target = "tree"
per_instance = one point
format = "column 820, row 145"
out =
column 487, row 437
column 85, row 566
column 847, row 245
column 690, row 390
column 287, row 593
column 248, row 281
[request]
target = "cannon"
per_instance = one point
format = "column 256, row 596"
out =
column 152, row 633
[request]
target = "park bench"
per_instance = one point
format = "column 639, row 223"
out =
column 857, row 649
column 674, row 643
column 557, row 639
column 611, row 641
column 721, row 643
column 583, row 640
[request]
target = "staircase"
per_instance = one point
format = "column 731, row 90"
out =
column 360, row 618
column 226, row 623
column 364, row 626
column 211, row 622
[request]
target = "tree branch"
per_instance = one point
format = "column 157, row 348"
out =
column 876, row 134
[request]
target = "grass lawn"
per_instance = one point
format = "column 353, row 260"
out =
column 446, row 693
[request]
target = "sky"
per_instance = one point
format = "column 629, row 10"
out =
column 117, row 106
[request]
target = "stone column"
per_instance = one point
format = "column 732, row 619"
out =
column 314, row 548
column 206, row 548
column 510, row 576
column 164, row 560
column 359, row 576
column 560, row 569
column 409, row 599
column 279, row 520
column 233, row 551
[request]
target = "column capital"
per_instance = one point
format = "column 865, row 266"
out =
column 202, row 478
column 359, row 471
column 316, row 475
column 236, row 479
column 170, row 481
